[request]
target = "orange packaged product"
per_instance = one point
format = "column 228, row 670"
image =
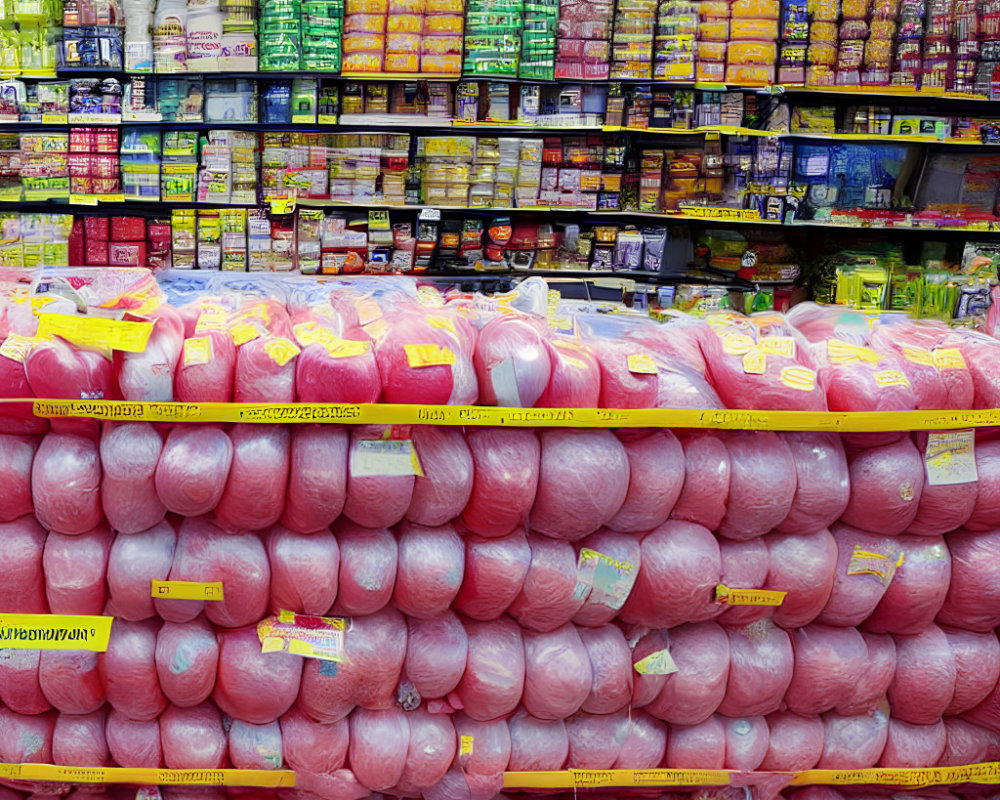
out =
column 854, row 9
column 407, row 6
column 363, row 42
column 823, row 32
column 362, row 62
column 405, row 23
column 441, row 45
column 443, row 24
column 758, row 9
column 822, row 53
column 714, row 30
column 747, row 52
column 710, row 71
column 366, row 7
column 402, row 62
column 446, row 7
column 441, row 65
column 824, row 10
column 750, row 74
column 402, row 43
column 820, row 75
column 712, row 51
column 761, row 29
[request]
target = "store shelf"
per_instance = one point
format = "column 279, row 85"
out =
column 390, row 414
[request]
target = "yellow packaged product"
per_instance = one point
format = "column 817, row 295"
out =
column 822, row 53
column 823, row 32
column 362, row 62
column 714, row 30
column 441, row 65
column 713, row 8
column 443, row 24
column 710, row 71
column 712, row 51
column 441, row 45
column 751, row 52
column 364, row 23
column 760, row 29
column 445, row 7
column 758, row 9
column 402, row 62
column 750, row 74
column 820, row 75
column 366, row 7
column 854, row 9
column 405, row 23
column 363, row 42
column 823, row 10
column 407, row 6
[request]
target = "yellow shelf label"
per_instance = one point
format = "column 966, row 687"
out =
column 149, row 776
column 725, row 595
column 96, row 332
column 55, row 632
column 187, row 590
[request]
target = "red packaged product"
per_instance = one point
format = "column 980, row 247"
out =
column 97, row 254
column 128, row 229
column 127, row 254
column 77, row 250
column 96, row 228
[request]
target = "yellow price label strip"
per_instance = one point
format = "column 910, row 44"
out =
column 187, row 590
column 404, row 414
column 96, row 332
column 987, row 772
column 641, row 364
column 610, row 778
column 149, row 776
column 428, row 355
column 728, row 596
column 55, row 632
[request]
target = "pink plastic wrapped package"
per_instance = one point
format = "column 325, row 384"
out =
column 495, row 569
column 747, row 740
column 494, row 676
column 917, row 590
column 583, row 481
column 760, row 670
column 595, row 740
column 378, row 747
column 645, row 743
column 966, row 743
column 22, row 545
column 193, row 738
column 707, row 472
column 879, row 670
column 694, row 692
column 761, row 486
column 548, row 598
column 367, row 568
column 149, row 375
column 853, row 742
column 977, row 668
column 129, row 455
column 128, row 670
column 429, row 571
column 537, row 744
column 986, row 512
column 317, row 477
column 334, row 368
column 193, row 468
column 376, row 498
column 251, row 685
column 973, row 600
column 430, row 751
column 265, row 360
column 506, row 468
column 375, row 649
column 132, row 743
column 575, row 377
column 440, row 494
column 417, row 359
column 558, row 673
column 66, row 484
column 24, row 739
column 254, row 496
column 490, row 754
column 656, row 477
column 303, row 570
column 19, row 687
column 207, row 366
column 795, row 743
column 647, row 684
column 823, row 485
column 608, row 564
column 829, row 665
column 866, row 565
column 804, row 566
column 886, row 483
column 621, row 387
column 187, row 661
column 71, row 681
column 512, row 362
column 913, row 746
column 56, row 369
column 436, row 653
column 745, row 565
column 680, row 567
column 611, row 669
column 309, row 746
column 79, row 740
column 16, row 456
column 76, row 571
column 924, row 684
column 701, row 746
column 255, row 746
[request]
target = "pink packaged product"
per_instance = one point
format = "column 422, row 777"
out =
column 158, row 245
column 127, row 254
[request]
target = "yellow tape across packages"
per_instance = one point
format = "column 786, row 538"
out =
column 401, row 414
column 985, row 773
column 149, row 776
column 596, row 778
column 55, row 632
column 187, row 590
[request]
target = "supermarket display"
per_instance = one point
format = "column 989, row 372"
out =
column 416, row 610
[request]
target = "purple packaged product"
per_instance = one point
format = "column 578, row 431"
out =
column 628, row 250
column 655, row 241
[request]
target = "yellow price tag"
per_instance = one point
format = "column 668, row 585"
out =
column 642, row 364
column 890, row 377
column 778, row 346
column 465, row 745
column 949, row 358
column 658, row 663
column 838, row 351
column 55, row 632
column 197, row 350
column 16, row 347
column 736, row 344
column 428, row 355
column 281, row 350
column 442, row 323
column 754, row 362
column 96, row 332
column 243, row 333
column 725, row 595
column 187, row 590
column 800, row 378
column 149, row 776
column 918, row 355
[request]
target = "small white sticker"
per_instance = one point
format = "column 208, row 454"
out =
column 950, row 458
column 384, row 457
column 609, row 579
column 504, row 379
